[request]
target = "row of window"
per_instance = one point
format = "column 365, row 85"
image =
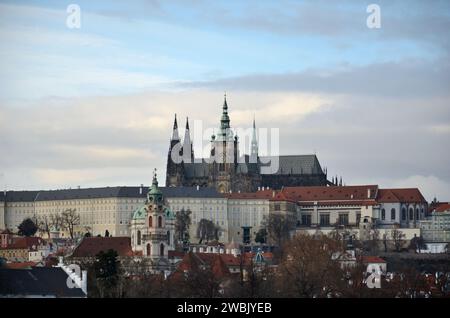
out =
column 324, row 219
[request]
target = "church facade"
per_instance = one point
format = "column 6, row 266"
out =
column 227, row 171
column 152, row 229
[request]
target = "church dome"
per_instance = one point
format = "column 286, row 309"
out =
column 140, row 213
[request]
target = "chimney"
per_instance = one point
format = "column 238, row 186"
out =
column 273, row 194
column 141, row 189
column 368, row 193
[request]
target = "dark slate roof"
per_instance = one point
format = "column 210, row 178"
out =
column 191, row 192
column 37, row 281
column 196, row 169
column 22, row 196
column 297, row 164
column 107, row 192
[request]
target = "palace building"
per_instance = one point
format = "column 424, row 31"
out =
column 227, row 171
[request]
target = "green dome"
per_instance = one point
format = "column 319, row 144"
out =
column 140, row 213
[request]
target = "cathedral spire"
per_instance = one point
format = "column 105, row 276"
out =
column 175, row 135
column 188, row 152
column 254, row 145
column 225, row 120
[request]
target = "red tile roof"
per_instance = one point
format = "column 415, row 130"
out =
column 372, row 259
column 91, row 246
column 442, row 207
column 407, row 195
column 30, row 243
column 359, row 195
column 332, row 195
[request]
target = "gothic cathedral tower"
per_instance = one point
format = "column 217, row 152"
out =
column 224, row 154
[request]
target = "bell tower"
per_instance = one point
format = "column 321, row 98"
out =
column 224, row 154
column 153, row 227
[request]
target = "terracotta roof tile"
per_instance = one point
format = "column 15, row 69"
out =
column 91, row 246
column 408, row 195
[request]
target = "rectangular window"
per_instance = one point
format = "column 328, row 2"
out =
column 393, row 214
column 324, row 220
column 343, row 219
column 277, row 207
column 306, row 219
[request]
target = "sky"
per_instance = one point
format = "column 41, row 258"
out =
column 94, row 106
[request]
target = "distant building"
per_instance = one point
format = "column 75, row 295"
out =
column 23, row 249
column 226, row 170
column 238, row 215
column 436, row 227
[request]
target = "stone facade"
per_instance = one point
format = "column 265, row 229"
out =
column 152, row 229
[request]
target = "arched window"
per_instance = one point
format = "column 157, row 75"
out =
column 161, row 249
column 393, row 214
column 403, row 214
column 159, row 221
column 149, row 249
column 383, row 214
column 138, row 237
column 417, row 214
column 150, row 221
column 411, row 213
column 168, row 237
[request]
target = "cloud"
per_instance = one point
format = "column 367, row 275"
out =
column 431, row 186
column 409, row 78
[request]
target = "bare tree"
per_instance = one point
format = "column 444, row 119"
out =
column 279, row 227
column 398, row 239
column 70, row 218
column 207, row 230
column 182, row 224
column 308, row 268
column 44, row 224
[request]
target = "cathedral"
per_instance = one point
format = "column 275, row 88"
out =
column 227, row 171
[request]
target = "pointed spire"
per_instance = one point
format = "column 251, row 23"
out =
column 188, row 152
column 225, row 105
column 155, row 179
column 225, row 120
column 254, row 145
column 175, row 135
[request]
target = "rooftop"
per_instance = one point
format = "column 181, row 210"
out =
column 91, row 246
column 37, row 282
